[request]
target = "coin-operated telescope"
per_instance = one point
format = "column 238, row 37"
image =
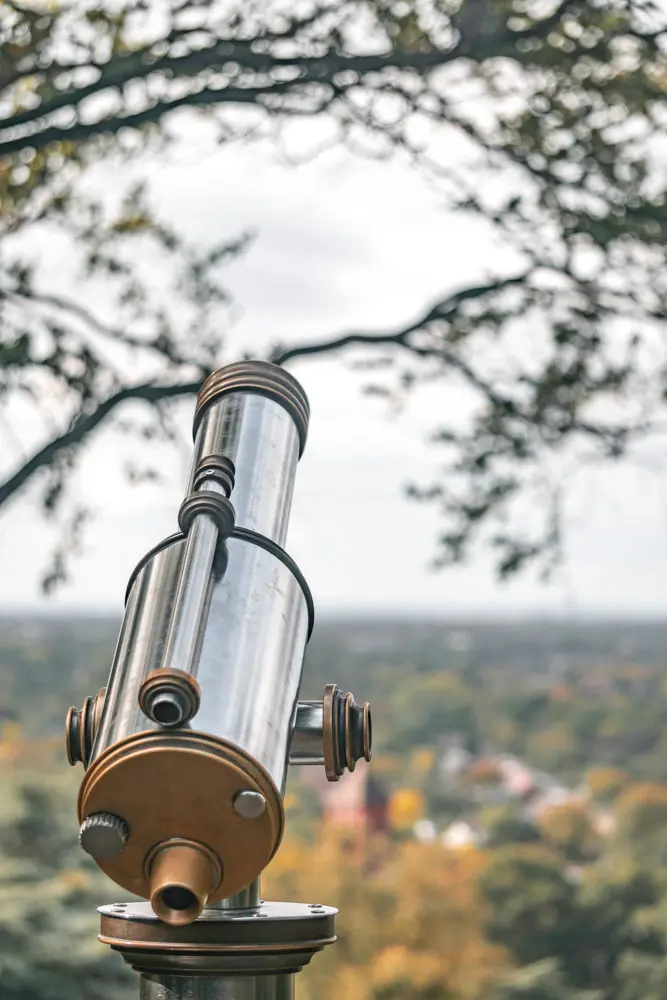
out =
column 186, row 751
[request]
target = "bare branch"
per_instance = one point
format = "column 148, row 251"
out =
column 443, row 310
column 85, row 424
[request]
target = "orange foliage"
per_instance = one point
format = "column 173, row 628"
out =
column 410, row 922
column 641, row 812
column 405, row 807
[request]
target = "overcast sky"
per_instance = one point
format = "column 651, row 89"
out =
column 343, row 243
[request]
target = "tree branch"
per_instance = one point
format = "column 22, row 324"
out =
column 86, row 424
column 321, row 69
column 443, row 310
column 82, row 313
column 139, row 65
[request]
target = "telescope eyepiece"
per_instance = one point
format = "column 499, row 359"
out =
column 167, row 709
column 177, row 897
column 182, row 876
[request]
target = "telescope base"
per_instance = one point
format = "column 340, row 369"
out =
column 270, row 941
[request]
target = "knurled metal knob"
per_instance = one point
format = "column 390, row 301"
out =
column 347, row 733
column 103, row 835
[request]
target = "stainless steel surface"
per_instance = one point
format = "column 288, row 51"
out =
column 247, row 899
column 103, row 835
column 249, row 804
column 261, row 439
column 253, row 636
column 307, row 738
column 170, row 987
column 193, row 591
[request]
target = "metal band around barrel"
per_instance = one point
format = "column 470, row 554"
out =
column 243, row 535
column 262, row 379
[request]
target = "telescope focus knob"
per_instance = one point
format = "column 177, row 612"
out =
column 103, row 835
column 347, row 732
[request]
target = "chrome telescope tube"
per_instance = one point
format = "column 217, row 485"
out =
column 186, row 751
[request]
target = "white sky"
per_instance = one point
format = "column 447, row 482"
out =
column 343, row 244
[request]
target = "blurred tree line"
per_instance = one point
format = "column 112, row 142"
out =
column 559, row 917
column 605, row 713
column 548, row 907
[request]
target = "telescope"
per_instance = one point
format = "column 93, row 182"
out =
column 186, row 752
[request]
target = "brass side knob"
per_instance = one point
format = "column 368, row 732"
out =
column 81, row 728
column 347, row 732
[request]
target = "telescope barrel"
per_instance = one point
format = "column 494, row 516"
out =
column 261, row 423
column 187, row 749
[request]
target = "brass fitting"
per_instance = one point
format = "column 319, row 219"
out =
column 81, row 727
column 169, row 697
column 169, row 787
column 182, row 875
column 347, row 732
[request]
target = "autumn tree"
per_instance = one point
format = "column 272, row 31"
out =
column 570, row 828
column 556, row 110
column 506, row 825
column 49, row 891
column 573, row 932
column 410, row 929
column 605, row 783
column 641, row 822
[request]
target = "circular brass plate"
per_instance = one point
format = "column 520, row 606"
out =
column 181, row 784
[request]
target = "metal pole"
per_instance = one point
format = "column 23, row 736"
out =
column 170, row 987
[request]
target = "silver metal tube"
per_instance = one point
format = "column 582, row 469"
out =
column 247, row 899
column 193, row 593
column 307, row 746
column 249, row 664
column 260, row 437
column 170, row 987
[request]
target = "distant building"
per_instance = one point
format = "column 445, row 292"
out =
column 454, row 758
column 460, row 834
column 425, row 831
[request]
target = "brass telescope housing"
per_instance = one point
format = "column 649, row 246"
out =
column 186, row 751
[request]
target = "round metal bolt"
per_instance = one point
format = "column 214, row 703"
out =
column 103, row 835
column 249, row 804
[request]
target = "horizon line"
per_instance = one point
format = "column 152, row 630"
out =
column 404, row 615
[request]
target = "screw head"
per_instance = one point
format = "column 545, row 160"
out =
column 249, row 804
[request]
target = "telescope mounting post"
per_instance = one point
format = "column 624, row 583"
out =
column 187, row 749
